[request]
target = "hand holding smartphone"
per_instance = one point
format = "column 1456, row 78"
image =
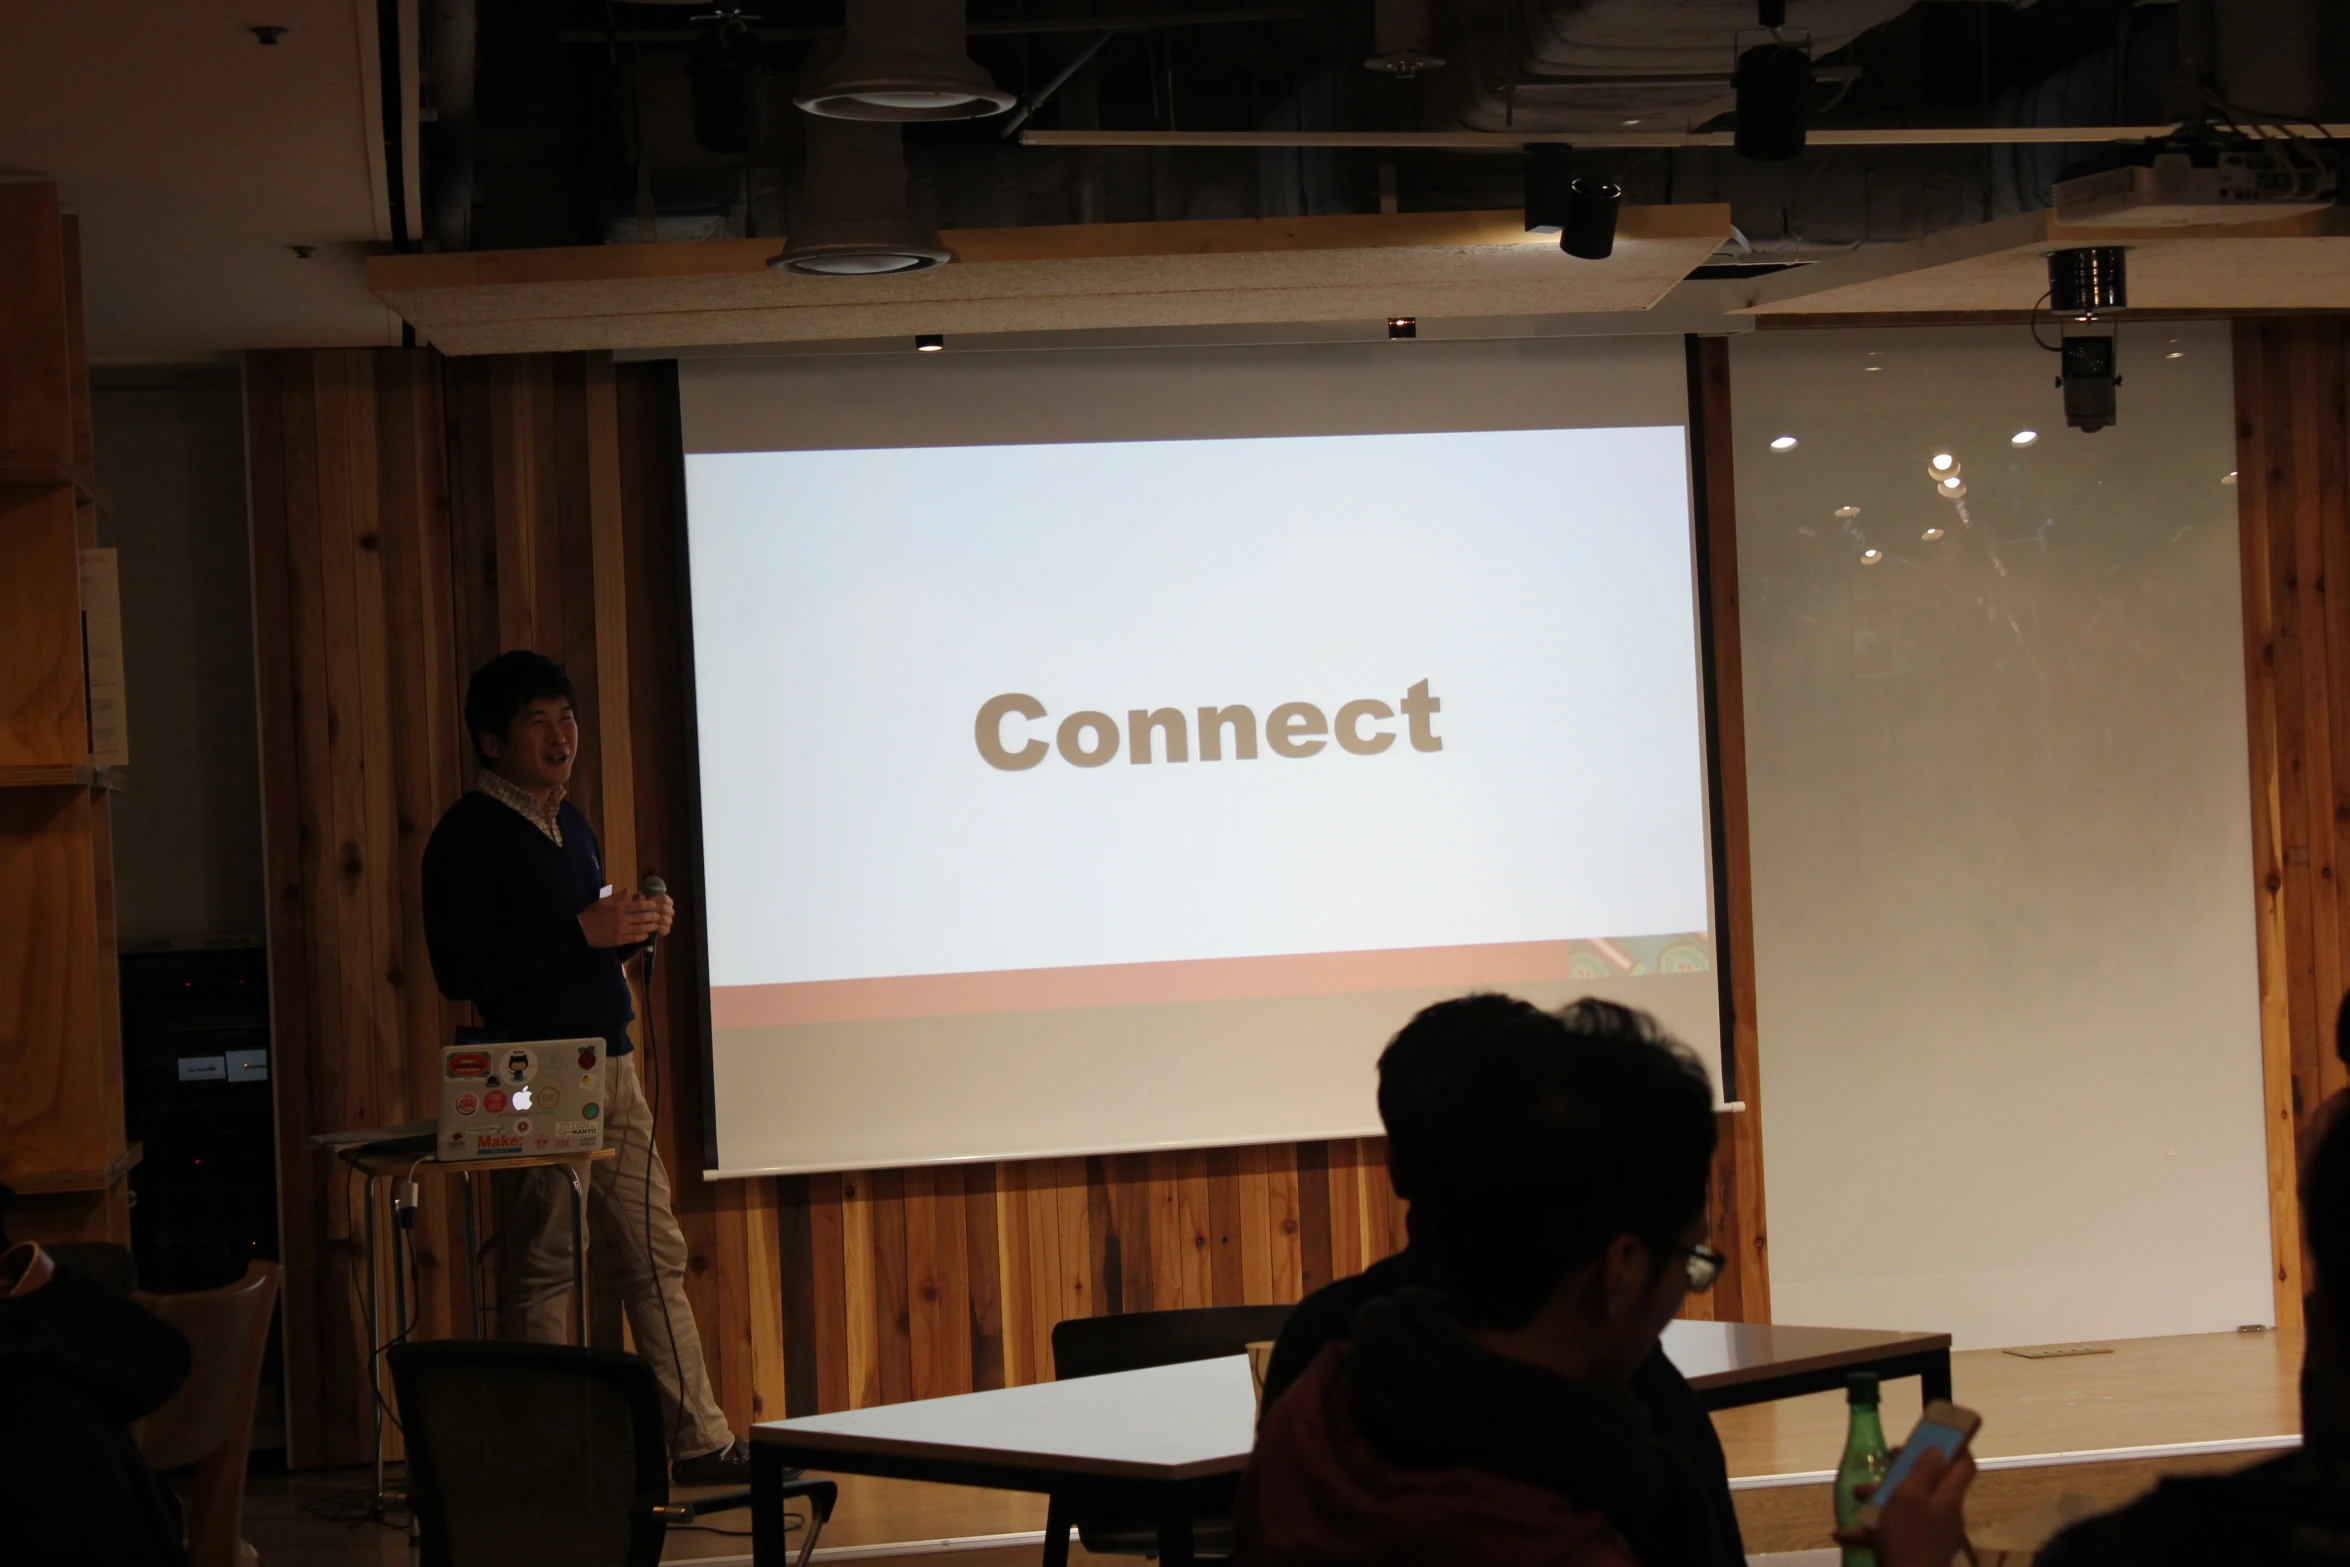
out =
column 1945, row 1428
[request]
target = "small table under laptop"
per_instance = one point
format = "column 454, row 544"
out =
column 399, row 1153
column 1169, row 1442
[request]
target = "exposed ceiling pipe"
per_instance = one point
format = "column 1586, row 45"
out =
column 853, row 219
column 904, row 60
column 447, row 132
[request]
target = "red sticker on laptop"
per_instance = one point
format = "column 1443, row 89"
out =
column 467, row 1104
column 494, row 1101
column 469, row 1063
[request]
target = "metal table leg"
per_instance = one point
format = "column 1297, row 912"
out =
column 770, row 1536
column 472, row 1258
column 1175, row 1531
column 367, row 1315
column 1057, row 1524
column 579, row 1300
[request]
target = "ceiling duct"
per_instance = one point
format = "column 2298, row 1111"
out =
column 1603, row 65
column 904, row 60
column 853, row 220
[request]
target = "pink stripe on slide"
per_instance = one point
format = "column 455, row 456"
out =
column 1126, row 984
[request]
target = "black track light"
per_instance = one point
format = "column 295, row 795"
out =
column 1402, row 328
column 2090, row 376
column 1591, row 219
column 1773, row 82
column 930, row 342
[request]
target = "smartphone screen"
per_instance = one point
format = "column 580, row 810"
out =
column 1946, row 1440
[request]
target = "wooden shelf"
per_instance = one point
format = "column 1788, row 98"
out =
column 34, row 470
column 62, row 775
column 45, row 1182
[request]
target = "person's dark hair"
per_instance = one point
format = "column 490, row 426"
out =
column 1413, row 1068
column 505, row 686
column 2325, row 1217
column 1544, row 1146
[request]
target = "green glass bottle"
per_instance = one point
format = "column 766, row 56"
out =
column 1864, row 1458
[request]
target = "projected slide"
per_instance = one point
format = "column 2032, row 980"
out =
column 1074, row 753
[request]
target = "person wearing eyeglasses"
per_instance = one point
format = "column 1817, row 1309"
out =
column 1417, row 1101
column 1561, row 1182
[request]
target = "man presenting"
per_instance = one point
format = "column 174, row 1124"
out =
column 520, row 922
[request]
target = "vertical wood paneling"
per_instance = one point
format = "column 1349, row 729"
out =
column 983, row 1276
column 1743, row 1293
column 860, row 1353
column 2293, row 521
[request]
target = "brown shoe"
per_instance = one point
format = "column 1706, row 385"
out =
column 729, row 1465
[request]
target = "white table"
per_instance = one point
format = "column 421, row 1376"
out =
column 1170, row 1442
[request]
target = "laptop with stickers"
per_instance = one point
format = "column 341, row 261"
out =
column 530, row 1097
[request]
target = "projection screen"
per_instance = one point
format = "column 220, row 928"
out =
column 1107, row 751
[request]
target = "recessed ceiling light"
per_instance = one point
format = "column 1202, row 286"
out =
column 1784, row 443
column 930, row 342
column 1848, row 511
column 1631, row 122
column 1953, row 489
column 1942, row 462
column 2023, row 438
column 2228, row 477
column 1869, row 557
column 2175, row 354
column 1931, row 534
column 1872, row 369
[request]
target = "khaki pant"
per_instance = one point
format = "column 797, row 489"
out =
column 534, row 1277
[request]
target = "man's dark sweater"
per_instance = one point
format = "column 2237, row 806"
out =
column 502, row 902
column 1327, row 1316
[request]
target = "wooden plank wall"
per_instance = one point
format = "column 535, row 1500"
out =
column 414, row 515
column 2292, row 470
column 62, row 1145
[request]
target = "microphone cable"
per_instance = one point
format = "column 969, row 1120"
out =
column 652, row 1152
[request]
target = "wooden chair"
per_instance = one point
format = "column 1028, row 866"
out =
column 209, row 1422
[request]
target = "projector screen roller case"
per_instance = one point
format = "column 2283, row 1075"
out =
column 1110, row 795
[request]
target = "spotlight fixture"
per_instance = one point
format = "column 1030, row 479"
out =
column 2089, row 375
column 1402, row 328
column 1773, row 83
column 1953, row 489
column 904, row 60
column 1931, row 534
column 1784, row 443
column 1591, row 219
column 727, row 67
column 2085, row 281
column 1848, row 511
column 1871, row 555
column 1941, row 463
column 2023, row 438
column 930, row 342
column 2228, row 477
column 853, row 220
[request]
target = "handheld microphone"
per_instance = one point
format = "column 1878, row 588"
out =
column 652, row 887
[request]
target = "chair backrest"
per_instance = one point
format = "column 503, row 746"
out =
column 1090, row 1346
column 209, row 1421
column 523, row 1453
column 227, row 1330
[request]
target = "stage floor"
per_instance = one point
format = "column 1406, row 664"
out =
column 2064, row 1418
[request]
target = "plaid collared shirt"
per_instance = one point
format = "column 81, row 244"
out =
column 548, row 821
